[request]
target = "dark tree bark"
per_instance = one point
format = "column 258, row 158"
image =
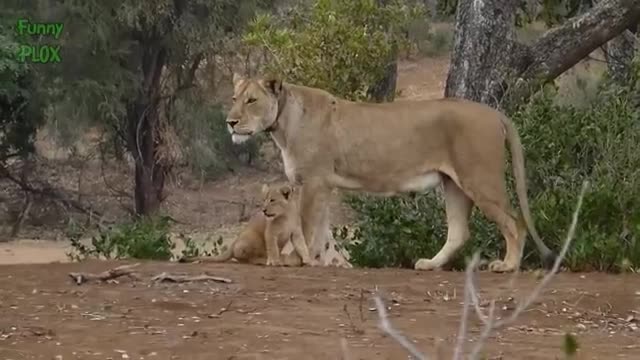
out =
column 484, row 36
column 619, row 54
column 489, row 64
column 385, row 89
column 142, row 121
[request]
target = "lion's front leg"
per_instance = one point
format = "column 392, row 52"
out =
column 311, row 202
column 301, row 248
column 271, row 245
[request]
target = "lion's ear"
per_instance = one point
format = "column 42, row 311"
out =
column 237, row 77
column 286, row 190
column 273, row 84
column 265, row 189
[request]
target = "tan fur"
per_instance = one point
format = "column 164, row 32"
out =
column 268, row 230
column 389, row 148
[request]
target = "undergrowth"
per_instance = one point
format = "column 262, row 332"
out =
column 144, row 238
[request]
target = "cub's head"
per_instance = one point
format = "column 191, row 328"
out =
column 278, row 199
column 255, row 106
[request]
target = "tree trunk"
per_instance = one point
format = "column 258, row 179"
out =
column 488, row 63
column 619, row 54
column 484, row 34
column 385, row 89
column 142, row 120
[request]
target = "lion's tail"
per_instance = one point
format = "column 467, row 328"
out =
column 226, row 255
column 517, row 159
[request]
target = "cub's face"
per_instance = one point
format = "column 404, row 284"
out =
column 277, row 200
column 255, row 107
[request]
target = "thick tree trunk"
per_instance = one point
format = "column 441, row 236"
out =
column 489, row 64
column 142, row 119
column 619, row 54
column 484, row 35
column 385, row 89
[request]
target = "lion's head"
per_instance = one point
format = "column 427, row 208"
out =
column 277, row 200
column 255, row 106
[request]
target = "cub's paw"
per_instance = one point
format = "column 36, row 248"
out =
column 312, row 262
column 272, row 262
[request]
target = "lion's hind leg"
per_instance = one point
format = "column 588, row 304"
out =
column 458, row 208
column 493, row 202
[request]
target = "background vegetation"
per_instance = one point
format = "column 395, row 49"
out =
column 344, row 46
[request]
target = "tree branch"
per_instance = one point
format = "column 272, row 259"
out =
column 47, row 191
column 562, row 47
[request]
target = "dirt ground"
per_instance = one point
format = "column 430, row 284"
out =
column 298, row 313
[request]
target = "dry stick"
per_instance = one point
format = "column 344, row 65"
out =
column 468, row 294
column 117, row 272
column 346, row 355
column 485, row 332
column 556, row 266
column 385, row 326
column 489, row 324
column 189, row 278
column 471, row 295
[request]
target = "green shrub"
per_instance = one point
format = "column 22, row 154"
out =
column 342, row 46
column 564, row 145
column 141, row 239
column 208, row 148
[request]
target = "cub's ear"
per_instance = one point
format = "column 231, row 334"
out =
column 273, row 84
column 237, row 77
column 265, row 189
column 286, row 190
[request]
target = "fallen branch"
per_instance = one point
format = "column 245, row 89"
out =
column 124, row 270
column 164, row 277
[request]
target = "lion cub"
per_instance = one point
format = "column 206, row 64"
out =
column 268, row 231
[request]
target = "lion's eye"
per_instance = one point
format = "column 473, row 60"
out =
column 251, row 100
column 233, row 99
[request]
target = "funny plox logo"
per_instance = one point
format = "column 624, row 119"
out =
column 40, row 53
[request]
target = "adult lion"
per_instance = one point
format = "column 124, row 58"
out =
column 327, row 142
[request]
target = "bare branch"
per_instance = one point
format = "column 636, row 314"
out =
column 385, row 325
column 124, row 270
column 471, row 298
column 562, row 47
column 188, row 278
column 488, row 328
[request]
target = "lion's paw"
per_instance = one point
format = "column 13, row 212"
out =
column 500, row 266
column 426, row 264
column 312, row 262
column 271, row 262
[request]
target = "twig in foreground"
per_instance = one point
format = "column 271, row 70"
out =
column 556, row 266
column 189, row 278
column 488, row 320
column 124, row 270
column 385, row 326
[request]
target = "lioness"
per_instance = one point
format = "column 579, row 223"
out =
column 268, row 231
column 327, row 142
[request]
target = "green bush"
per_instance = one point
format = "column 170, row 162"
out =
column 564, row 145
column 21, row 111
column 206, row 142
column 147, row 238
column 342, row 46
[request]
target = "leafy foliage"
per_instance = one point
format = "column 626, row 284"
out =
column 564, row 145
column 147, row 238
column 21, row 110
column 342, row 46
column 207, row 144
